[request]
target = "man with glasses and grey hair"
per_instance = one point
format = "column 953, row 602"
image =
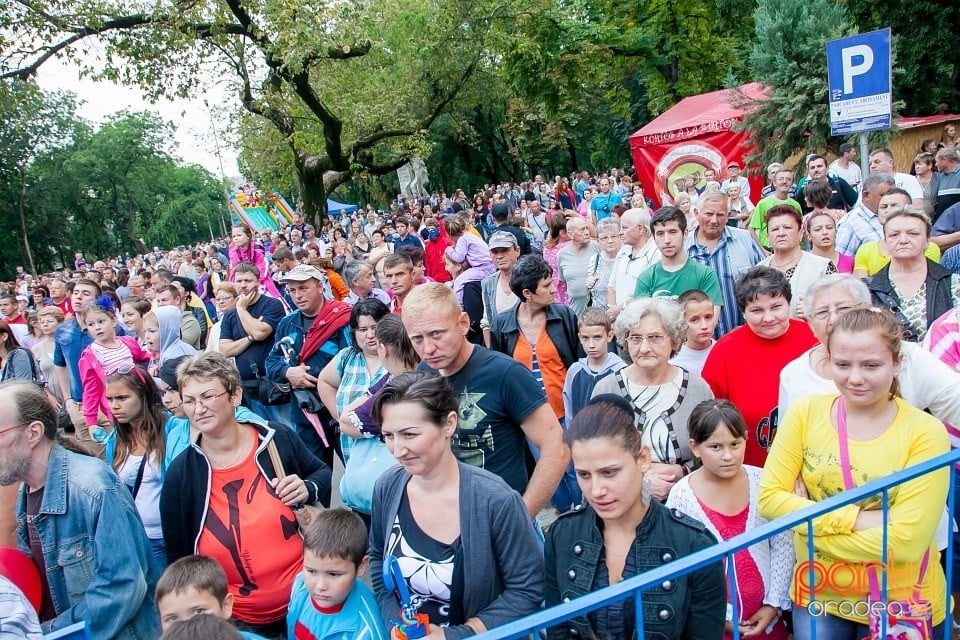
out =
column 78, row 523
column 639, row 253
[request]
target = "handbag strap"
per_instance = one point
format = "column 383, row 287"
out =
column 275, row 459
column 139, row 479
column 849, row 484
column 844, row 448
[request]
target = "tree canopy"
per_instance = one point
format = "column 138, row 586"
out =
column 66, row 187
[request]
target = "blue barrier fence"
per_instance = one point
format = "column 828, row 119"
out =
column 633, row 587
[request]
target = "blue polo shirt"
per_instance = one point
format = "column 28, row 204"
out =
column 69, row 342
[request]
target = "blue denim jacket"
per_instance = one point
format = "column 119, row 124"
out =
column 98, row 560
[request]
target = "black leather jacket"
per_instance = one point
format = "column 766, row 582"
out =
column 689, row 607
column 561, row 327
column 939, row 298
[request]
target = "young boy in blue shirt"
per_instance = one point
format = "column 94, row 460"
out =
column 328, row 601
column 191, row 586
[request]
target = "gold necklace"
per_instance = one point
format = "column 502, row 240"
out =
column 241, row 450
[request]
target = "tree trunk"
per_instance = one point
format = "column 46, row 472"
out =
column 23, row 222
column 572, row 152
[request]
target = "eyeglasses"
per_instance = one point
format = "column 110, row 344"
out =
column 225, row 298
column 12, row 427
column 206, row 400
column 655, row 339
column 823, row 314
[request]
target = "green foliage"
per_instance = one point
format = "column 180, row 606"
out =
column 789, row 56
column 927, row 73
column 103, row 192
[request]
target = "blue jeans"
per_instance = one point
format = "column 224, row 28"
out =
column 828, row 627
column 159, row 550
column 568, row 494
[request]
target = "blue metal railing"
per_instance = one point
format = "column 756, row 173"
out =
column 633, row 587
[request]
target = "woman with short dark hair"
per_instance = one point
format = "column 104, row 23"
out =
column 744, row 366
column 538, row 332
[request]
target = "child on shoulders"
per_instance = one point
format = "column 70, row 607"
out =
column 467, row 248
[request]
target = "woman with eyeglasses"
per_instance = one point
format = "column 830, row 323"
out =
column 925, row 382
column 224, row 498
column 600, row 269
column 226, row 298
column 662, row 395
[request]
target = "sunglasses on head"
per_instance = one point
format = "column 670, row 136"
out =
column 127, row 370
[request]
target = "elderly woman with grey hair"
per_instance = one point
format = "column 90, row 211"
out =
column 600, row 269
column 925, row 381
column 663, row 395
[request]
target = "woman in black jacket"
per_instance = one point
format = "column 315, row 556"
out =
column 222, row 496
column 539, row 333
column 621, row 533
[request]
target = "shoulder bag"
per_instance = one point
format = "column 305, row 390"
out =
column 911, row 618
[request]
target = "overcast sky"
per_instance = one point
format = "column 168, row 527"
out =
column 194, row 139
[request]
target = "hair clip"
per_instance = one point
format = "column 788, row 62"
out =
column 105, row 303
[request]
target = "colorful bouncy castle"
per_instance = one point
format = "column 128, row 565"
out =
column 260, row 211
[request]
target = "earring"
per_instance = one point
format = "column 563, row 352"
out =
column 646, row 492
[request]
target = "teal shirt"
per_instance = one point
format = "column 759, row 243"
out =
column 657, row 281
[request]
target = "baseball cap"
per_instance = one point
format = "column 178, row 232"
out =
column 846, row 146
column 500, row 211
column 503, row 240
column 309, row 227
column 733, row 163
column 302, row 273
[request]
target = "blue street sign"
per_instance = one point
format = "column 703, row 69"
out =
column 859, row 75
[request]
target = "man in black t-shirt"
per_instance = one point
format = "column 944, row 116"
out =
column 246, row 334
column 501, row 405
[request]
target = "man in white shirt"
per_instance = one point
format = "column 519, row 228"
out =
column 639, row 253
column 733, row 170
column 881, row 161
column 846, row 167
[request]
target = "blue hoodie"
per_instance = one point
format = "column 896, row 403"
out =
column 171, row 346
column 580, row 382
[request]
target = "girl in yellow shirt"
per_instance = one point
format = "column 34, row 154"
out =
column 884, row 434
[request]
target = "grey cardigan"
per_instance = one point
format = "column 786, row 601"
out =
column 695, row 390
column 505, row 571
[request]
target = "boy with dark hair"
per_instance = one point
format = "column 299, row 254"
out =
column 328, row 599
column 675, row 273
column 701, row 319
column 191, row 586
column 595, row 332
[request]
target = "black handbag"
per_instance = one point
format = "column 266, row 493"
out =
column 271, row 393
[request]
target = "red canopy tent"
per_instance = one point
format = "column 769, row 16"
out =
column 693, row 135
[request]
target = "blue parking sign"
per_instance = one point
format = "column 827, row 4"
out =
column 859, row 76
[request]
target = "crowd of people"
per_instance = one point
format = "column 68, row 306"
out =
column 535, row 392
